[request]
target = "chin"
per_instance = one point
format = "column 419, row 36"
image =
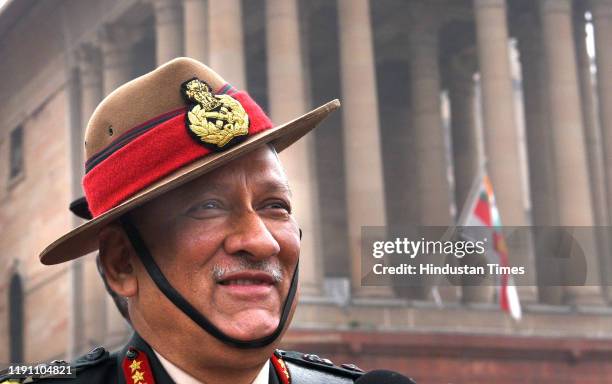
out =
column 251, row 326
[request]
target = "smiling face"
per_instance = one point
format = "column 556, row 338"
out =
column 228, row 243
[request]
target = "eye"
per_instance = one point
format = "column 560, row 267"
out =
column 204, row 209
column 278, row 205
column 209, row 205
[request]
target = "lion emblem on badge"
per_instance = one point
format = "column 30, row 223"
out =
column 213, row 119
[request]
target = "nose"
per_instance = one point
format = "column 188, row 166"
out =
column 250, row 235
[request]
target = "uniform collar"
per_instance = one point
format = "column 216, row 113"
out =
column 164, row 373
column 180, row 376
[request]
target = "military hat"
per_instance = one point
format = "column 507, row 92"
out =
column 160, row 131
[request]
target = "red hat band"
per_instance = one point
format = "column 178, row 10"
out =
column 156, row 148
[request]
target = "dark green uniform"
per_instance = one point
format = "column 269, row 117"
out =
column 100, row 366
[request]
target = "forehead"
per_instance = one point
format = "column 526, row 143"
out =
column 256, row 169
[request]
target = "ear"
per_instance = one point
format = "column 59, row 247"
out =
column 117, row 260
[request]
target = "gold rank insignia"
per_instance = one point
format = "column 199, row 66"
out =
column 136, row 368
column 213, row 119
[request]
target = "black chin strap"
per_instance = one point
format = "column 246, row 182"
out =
column 181, row 303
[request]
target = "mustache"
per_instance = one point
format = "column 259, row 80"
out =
column 267, row 266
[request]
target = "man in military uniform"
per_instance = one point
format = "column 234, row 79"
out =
column 190, row 210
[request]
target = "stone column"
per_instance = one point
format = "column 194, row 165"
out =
column 466, row 159
column 499, row 125
column 76, row 323
column 602, row 23
column 94, row 295
column 90, row 71
column 570, row 160
column 433, row 187
column 565, row 114
column 286, row 93
column 363, row 161
column 168, row 30
column 539, row 140
column 594, row 142
column 539, row 143
column 195, row 21
column 117, row 41
column 433, row 190
column 463, row 127
column 226, row 42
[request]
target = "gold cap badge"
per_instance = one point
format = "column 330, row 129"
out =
column 213, row 119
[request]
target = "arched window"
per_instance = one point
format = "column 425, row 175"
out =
column 16, row 319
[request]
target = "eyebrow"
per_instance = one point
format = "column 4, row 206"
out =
column 267, row 186
column 277, row 185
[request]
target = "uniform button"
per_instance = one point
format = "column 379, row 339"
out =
column 312, row 358
column 131, row 354
column 95, row 353
column 352, row 367
column 327, row 362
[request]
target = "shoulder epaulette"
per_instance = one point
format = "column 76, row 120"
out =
column 92, row 358
column 309, row 368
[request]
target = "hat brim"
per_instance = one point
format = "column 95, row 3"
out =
column 84, row 238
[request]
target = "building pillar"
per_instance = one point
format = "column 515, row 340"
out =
column 362, row 145
column 594, row 143
column 461, row 94
column 287, row 98
column 195, row 17
column 499, row 122
column 117, row 41
column 499, row 126
column 76, row 321
column 565, row 114
column 169, row 41
column 94, row 295
column 329, row 146
column 571, row 170
column 90, row 71
column 602, row 23
column 433, row 187
column 225, row 34
column 433, row 190
column 539, row 144
column 539, row 140
column 466, row 159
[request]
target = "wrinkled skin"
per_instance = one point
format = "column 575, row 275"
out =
column 211, row 238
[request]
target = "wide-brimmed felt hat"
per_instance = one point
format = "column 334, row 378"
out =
column 158, row 132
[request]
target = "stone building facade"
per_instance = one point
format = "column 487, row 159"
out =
column 430, row 90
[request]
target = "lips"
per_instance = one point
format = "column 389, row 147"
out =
column 247, row 286
column 247, row 278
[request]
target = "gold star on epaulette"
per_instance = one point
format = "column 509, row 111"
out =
column 138, row 377
column 135, row 366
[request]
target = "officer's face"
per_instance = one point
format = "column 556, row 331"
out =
column 228, row 243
